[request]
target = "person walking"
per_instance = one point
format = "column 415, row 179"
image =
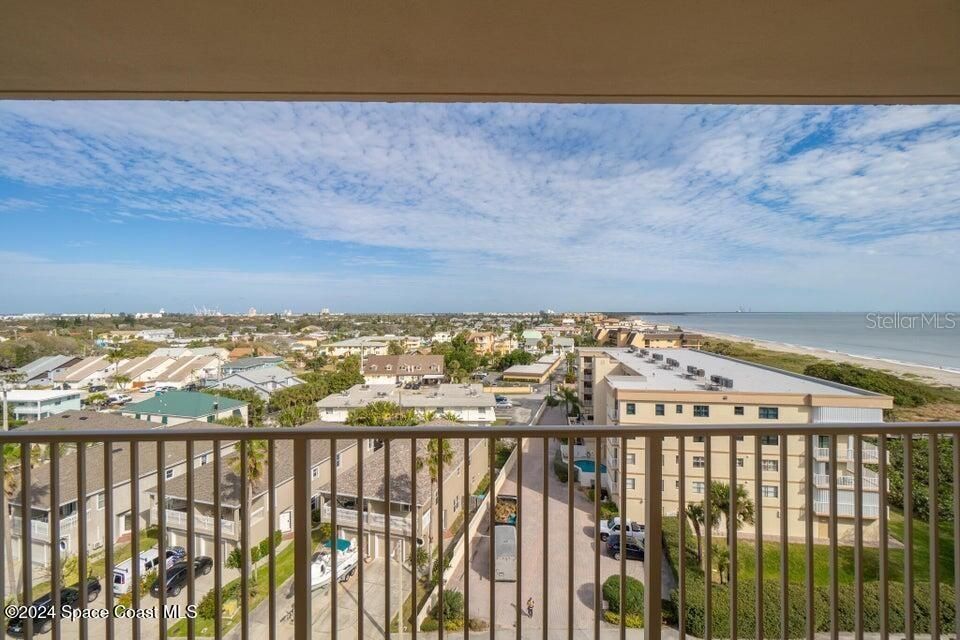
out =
column 530, row 607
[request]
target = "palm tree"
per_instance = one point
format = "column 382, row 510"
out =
column 570, row 399
column 695, row 513
column 256, row 468
column 721, row 554
column 11, row 462
column 437, row 455
column 720, row 497
column 119, row 380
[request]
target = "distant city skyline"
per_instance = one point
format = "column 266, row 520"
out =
column 416, row 208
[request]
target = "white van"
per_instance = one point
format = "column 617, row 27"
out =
column 149, row 560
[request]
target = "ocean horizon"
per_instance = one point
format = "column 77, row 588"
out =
column 930, row 339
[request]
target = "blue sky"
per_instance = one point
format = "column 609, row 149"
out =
column 398, row 207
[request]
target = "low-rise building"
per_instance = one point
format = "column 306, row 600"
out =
column 467, row 402
column 42, row 370
column 176, row 407
column 251, row 363
column 648, row 338
column 680, row 386
column 88, row 371
column 403, row 369
column 365, row 346
column 187, row 370
column 536, row 373
column 156, row 335
column 34, row 404
column 264, row 380
column 421, row 515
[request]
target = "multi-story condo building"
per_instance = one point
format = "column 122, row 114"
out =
column 629, row 386
column 646, row 337
column 402, row 369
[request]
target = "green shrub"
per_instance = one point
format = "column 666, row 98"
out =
column 429, row 624
column 633, row 592
column 559, row 467
column 746, row 613
column 452, row 606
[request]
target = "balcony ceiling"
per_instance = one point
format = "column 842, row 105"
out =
column 830, row 51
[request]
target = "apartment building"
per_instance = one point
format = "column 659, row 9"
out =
column 468, row 402
column 672, row 386
column 404, row 514
column 232, row 497
column 535, row 373
column 646, row 337
column 92, row 506
column 402, row 369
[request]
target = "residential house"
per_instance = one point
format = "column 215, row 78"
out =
column 146, row 369
column 251, row 363
column 531, row 339
column 263, row 380
column 88, row 371
column 355, row 347
column 403, row 369
column 156, row 335
column 176, row 407
column 41, row 371
column 410, row 517
column 70, row 508
column 536, row 373
column 34, row 404
column 189, row 369
column 233, row 501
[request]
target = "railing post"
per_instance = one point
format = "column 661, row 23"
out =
column 302, row 539
column 652, row 544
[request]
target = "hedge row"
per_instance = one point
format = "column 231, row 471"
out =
column 746, row 612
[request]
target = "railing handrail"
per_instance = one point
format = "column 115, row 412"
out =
column 507, row 431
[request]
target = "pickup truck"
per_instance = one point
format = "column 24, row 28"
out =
column 612, row 526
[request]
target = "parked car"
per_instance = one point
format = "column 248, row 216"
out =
column 633, row 547
column 149, row 560
column 612, row 526
column 118, row 398
column 177, row 576
column 97, row 388
column 147, row 389
column 43, row 614
column 505, row 403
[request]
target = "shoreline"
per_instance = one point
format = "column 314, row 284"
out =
column 928, row 373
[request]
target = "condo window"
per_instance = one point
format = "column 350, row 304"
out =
column 587, row 385
column 771, row 465
column 588, row 396
column 697, row 486
column 770, row 491
column 631, row 409
column 631, row 458
column 769, row 413
column 740, row 462
column 698, row 462
column 168, row 473
column 701, row 411
column 771, row 440
column 679, row 408
column 738, row 411
column 631, row 483
column 698, row 438
column 101, row 500
column 660, row 409
column 315, row 472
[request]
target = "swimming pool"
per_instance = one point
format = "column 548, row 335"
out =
column 342, row 545
column 587, row 466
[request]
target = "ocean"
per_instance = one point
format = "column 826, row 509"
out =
column 929, row 339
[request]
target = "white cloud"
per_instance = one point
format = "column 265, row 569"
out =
column 576, row 194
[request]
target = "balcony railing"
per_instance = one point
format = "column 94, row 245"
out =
column 570, row 568
column 822, row 480
column 371, row 521
column 40, row 530
column 870, row 454
column 179, row 520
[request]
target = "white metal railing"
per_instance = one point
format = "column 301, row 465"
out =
column 178, row 520
column 349, row 518
column 40, row 530
column 822, row 480
column 870, row 454
column 845, row 509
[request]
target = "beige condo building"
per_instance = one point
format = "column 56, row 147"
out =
column 631, row 386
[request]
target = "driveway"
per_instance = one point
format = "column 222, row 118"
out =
column 531, row 541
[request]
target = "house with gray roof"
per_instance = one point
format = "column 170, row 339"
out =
column 264, row 380
column 42, row 370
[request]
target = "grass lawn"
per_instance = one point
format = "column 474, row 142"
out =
column 285, row 566
column 871, row 558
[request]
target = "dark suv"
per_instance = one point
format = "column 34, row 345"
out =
column 634, row 547
column 43, row 619
column 177, row 576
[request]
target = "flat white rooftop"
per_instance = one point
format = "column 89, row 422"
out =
column 650, row 374
column 443, row 395
column 39, row 395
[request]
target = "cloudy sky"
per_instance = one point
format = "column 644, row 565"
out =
column 376, row 207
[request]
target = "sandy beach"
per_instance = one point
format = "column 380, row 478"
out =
column 929, row 374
